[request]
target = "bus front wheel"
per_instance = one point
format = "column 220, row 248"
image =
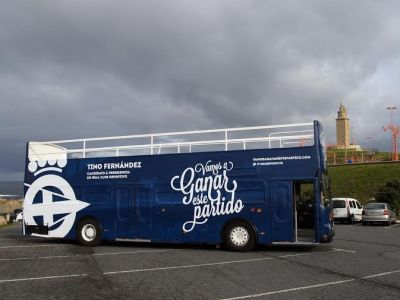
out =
column 239, row 236
column 88, row 232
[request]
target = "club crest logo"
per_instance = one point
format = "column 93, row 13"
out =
column 50, row 199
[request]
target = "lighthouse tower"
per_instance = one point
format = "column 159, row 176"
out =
column 342, row 129
column 343, row 139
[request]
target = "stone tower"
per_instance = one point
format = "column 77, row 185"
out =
column 342, row 129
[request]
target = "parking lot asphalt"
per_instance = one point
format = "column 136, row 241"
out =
column 363, row 262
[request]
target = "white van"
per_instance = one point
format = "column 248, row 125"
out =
column 347, row 210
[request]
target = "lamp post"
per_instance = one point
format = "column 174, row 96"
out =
column 351, row 135
column 394, row 133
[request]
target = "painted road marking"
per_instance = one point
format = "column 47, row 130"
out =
column 134, row 252
column 143, row 251
column 204, row 265
column 309, row 253
column 298, row 254
column 392, row 226
column 343, row 250
column 381, row 274
column 26, row 246
column 41, row 278
column 209, row 264
column 290, row 290
column 188, row 266
column 310, row 286
column 86, row 255
column 135, row 271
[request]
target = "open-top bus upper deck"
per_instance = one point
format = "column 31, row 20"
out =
column 242, row 138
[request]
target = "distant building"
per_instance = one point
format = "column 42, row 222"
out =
column 343, row 130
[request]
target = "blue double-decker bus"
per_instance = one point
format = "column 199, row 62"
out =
column 238, row 187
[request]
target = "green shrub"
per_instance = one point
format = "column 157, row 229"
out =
column 390, row 193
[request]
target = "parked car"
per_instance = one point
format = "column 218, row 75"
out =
column 14, row 214
column 378, row 212
column 19, row 218
column 347, row 210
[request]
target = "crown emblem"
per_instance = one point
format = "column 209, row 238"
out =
column 38, row 167
column 50, row 199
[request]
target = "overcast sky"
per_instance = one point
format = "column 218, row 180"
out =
column 72, row 69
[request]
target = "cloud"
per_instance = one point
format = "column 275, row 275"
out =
column 71, row 69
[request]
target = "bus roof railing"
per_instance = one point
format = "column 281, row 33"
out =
column 274, row 136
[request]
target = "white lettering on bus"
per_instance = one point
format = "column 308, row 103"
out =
column 113, row 166
column 202, row 186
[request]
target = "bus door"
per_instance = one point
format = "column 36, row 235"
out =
column 133, row 206
column 282, row 211
column 304, row 215
column 124, row 202
column 142, row 213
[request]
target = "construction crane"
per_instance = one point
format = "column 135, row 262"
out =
column 395, row 131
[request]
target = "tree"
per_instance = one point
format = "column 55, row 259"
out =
column 390, row 193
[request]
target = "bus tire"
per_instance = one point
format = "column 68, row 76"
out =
column 88, row 232
column 239, row 236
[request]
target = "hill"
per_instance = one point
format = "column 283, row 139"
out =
column 361, row 181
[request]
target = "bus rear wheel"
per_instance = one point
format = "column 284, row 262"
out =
column 88, row 232
column 239, row 236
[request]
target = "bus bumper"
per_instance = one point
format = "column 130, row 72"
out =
column 327, row 238
column 36, row 229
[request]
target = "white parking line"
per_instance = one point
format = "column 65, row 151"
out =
column 290, row 290
column 381, row 274
column 40, row 257
column 294, row 255
column 86, row 255
column 392, row 226
column 344, row 250
column 138, row 252
column 134, row 252
column 136, row 270
column 309, row 253
column 26, row 246
column 187, row 266
column 41, row 278
column 309, row 286
column 203, row 265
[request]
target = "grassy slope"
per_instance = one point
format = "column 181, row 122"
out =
column 361, row 181
column 357, row 156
